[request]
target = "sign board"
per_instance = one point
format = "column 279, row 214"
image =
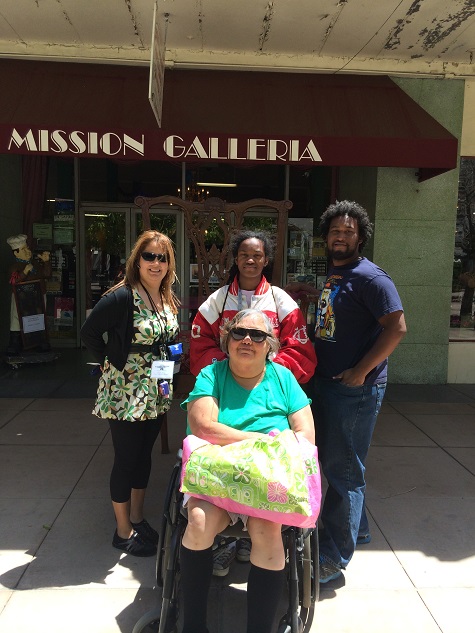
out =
column 184, row 146
column 42, row 231
column 64, row 228
column 30, row 306
column 157, row 64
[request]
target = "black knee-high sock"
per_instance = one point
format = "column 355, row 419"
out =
column 196, row 571
column 264, row 589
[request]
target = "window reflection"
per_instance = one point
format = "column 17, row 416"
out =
column 462, row 321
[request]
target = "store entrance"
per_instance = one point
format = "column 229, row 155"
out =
column 108, row 234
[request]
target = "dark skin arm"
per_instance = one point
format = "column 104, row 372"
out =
column 299, row 289
column 394, row 331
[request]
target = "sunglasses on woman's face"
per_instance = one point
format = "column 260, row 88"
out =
column 150, row 257
column 256, row 336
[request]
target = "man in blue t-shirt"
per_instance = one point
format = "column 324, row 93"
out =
column 359, row 323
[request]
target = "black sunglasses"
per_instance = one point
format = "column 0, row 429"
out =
column 150, row 257
column 256, row 336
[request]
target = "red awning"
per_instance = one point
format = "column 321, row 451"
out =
column 97, row 110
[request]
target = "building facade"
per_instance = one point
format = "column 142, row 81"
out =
column 78, row 143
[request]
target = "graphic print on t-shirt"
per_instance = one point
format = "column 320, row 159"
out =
column 325, row 327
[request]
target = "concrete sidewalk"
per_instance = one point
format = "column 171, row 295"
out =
column 59, row 572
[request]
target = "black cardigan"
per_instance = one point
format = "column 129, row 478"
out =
column 114, row 314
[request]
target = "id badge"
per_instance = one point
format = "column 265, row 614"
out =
column 162, row 369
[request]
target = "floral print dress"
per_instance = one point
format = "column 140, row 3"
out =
column 131, row 394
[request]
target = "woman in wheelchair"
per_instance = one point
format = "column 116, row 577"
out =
column 235, row 399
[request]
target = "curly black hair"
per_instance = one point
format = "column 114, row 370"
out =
column 267, row 240
column 247, row 234
column 353, row 210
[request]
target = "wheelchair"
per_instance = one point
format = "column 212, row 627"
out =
column 301, row 552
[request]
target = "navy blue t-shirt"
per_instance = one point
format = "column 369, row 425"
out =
column 354, row 297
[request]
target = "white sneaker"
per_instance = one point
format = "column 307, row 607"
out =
column 243, row 550
column 223, row 556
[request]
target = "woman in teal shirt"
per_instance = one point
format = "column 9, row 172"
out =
column 236, row 399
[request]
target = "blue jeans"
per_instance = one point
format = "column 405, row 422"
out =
column 345, row 418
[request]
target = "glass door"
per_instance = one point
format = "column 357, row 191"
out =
column 169, row 221
column 108, row 233
column 105, row 245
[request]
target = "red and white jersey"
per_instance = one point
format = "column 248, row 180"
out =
column 296, row 349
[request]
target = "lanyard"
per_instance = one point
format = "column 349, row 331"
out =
column 239, row 300
column 162, row 320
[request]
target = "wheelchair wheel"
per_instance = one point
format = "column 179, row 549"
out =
column 164, row 619
column 285, row 627
column 308, row 571
column 303, row 584
column 171, row 511
column 149, row 622
column 291, row 622
column 170, row 610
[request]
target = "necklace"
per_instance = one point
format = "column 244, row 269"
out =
column 154, row 305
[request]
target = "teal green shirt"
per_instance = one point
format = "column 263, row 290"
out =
column 264, row 408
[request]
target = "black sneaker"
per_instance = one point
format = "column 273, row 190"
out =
column 223, row 556
column 243, row 550
column 135, row 545
column 146, row 531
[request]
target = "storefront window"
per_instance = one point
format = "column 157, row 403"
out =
column 55, row 232
column 462, row 318
column 109, row 222
column 110, row 181
column 310, row 189
column 61, row 286
column 244, row 183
